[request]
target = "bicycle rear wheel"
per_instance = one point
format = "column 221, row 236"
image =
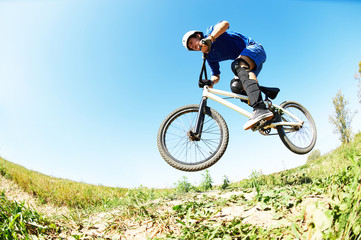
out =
column 300, row 140
column 182, row 151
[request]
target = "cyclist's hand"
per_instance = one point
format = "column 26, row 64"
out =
column 215, row 80
column 205, row 45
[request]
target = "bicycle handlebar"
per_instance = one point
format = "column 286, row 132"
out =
column 204, row 82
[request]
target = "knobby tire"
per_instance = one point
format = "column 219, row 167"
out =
column 300, row 141
column 183, row 153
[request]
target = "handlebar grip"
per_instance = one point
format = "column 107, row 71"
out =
column 208, row 43
column 204, row 82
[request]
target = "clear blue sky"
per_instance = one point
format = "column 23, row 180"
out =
column 85, row 85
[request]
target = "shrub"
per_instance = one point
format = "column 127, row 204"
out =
column 183, row 185
column 226, row 182
column 206, row 182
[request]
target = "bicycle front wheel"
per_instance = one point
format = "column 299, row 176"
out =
column 300, row 140
column 182, row 151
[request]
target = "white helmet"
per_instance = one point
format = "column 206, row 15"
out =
column 189, row 35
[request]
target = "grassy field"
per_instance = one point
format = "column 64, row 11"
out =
column 319, row 200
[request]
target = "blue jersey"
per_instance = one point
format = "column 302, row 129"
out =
column 227, row 46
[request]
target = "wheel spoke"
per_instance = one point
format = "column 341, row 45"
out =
column 182, row 148
column 302, row 139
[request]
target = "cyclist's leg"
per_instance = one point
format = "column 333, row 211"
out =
column 252, row 66
column 247, row 67
column 242, row 67
column 255, row 55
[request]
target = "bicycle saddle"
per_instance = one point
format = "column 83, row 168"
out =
column 270, row 92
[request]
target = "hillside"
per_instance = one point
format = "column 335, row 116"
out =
column 320, row 200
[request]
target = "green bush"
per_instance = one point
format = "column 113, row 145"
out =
column 183, row 186
column 226, row 182
column 207, row 182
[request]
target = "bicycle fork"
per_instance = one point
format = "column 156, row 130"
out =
column 196, row 133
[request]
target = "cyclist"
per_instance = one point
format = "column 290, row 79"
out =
column 248, row 57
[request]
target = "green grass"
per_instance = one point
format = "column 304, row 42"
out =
column 60, row 191
column 334, row 177
column 331, row 181
column 321, row 167
column 19, row 221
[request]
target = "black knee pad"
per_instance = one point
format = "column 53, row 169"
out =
column 237, row 87
column 250, row 86
column 241, row 72
column 238, row 63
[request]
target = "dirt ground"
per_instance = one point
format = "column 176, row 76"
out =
column 94, row 226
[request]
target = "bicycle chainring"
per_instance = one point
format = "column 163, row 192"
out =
column 265, row 132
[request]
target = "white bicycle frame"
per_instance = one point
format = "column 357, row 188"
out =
column 212, row 93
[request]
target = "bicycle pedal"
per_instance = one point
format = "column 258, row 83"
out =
column 259, row 125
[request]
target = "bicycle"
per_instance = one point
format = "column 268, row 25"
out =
column 194, row 137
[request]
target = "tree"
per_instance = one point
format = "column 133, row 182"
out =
column 342, row 118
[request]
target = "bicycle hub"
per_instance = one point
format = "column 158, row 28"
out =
column 192, row 136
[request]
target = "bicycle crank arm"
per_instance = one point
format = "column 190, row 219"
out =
column 268, row 124
column 286, row 124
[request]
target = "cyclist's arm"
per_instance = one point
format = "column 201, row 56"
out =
column 218, row 30
column 214, row 65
